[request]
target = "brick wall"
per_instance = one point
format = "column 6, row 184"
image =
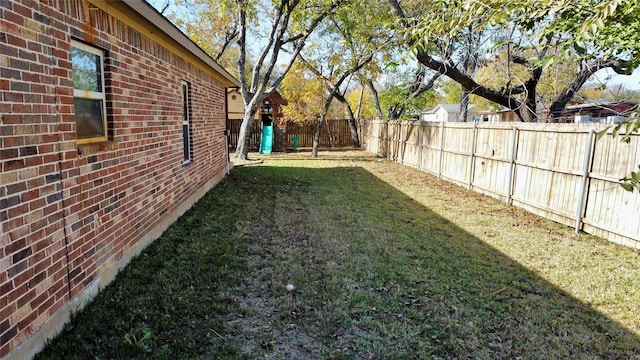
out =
column 69, row 213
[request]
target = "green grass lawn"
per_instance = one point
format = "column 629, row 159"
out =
column 387, row 263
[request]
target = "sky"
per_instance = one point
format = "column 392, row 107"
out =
column 631, row 82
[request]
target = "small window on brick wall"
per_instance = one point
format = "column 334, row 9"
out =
column 186, row 125
column 88, row 93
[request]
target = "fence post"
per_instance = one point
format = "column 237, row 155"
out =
column 403, row 138
column 379, row 138
column 512, row 162
column 388, row 141
column 588, row 160
column 402, row 144
column 441, row 148
column 419, row 145
column 473, row 151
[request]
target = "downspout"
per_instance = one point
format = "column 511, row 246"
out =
column 61, row 178
column 64, row 211
column 227, row 132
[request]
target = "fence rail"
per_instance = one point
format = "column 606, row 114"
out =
column 565, row 172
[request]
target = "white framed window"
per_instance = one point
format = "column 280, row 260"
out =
column 88, row 93
column 186, row 126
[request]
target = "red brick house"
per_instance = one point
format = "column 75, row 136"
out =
column 111, row 126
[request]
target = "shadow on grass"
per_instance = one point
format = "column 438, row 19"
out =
column 377, row 275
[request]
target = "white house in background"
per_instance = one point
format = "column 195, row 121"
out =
column 449, row 112
column 503, row 115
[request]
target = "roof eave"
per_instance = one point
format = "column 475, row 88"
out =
column 150, row 13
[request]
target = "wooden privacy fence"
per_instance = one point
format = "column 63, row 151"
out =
column 335, row 133
column 233, row 125
column 568, row 173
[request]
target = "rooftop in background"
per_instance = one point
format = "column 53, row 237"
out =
column 603, row 108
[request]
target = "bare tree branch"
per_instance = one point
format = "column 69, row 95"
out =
column 587, row 68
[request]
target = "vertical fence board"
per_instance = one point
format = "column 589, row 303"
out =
column 411, row 142
column 556, row 172
column 430, row 148
column 492, row 161
column 384, row 139
column 611, row 211
column 457, row 148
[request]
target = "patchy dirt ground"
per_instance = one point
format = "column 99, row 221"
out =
column 261, row 327
column 350, row 309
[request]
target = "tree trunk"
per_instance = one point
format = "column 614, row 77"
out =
column 323, row 117
column 316, row 137
column 526, row 115
column 464, row 105
column 376, row 100
column 584, row 73
column 470, row 65
column 359, row 108
column 244, row 137
column 529, row 109
column 530, row 112
column 395, row 111
column 353, row 127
